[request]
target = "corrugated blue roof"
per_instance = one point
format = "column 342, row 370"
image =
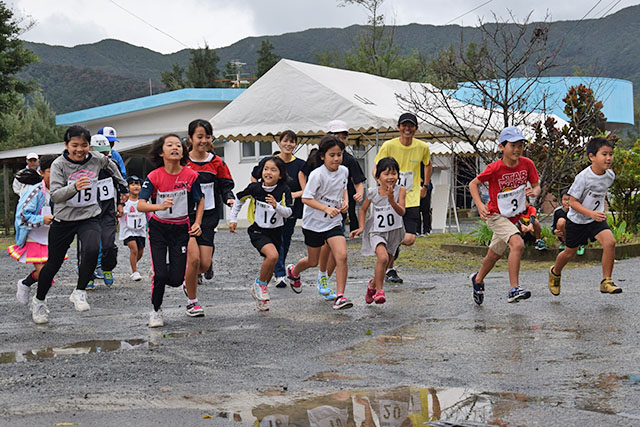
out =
column 144, row 103
column 616, row 95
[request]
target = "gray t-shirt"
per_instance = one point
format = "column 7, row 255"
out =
column 590, row 189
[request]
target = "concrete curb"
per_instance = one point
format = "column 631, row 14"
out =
column 590, row 254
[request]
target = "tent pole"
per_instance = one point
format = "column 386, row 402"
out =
column 453, row 200
column 5, row 179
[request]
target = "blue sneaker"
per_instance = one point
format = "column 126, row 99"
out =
column 99, row 273
column 108, row 278
column 91, row 285
column 323, row 286
column 517, row 293
column 478, row 289
column 331, row 296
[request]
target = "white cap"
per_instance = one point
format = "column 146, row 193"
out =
column 337, row 126
column 32, row 155
column 100, row 143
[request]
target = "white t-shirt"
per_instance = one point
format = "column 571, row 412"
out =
column 590, row 190
column 327, row 188
column 132, row 222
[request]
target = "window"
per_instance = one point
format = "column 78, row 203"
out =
column 218, row 149
column 253, row 151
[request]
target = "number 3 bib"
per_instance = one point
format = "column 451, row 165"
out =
column 511, row 203
column 179, row 208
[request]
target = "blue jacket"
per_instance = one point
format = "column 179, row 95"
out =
column 118, row 158
column 29, row 212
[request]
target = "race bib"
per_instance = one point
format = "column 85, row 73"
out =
column 207, row 192
column 86, row 197
column 512, row 203
column 275, row 420
column 179, row 208
column 105, row 189
column 392, row 413
column 266, row 216
column 406, row 180
column 136, row 221
column 385, row 218
column 594, row 201
column 328, row 416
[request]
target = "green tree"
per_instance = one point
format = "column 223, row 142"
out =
column 266, row 58
column 32, row 124
column 173, row 79
column 625, row 190
column 202, row 71
column 13, row 58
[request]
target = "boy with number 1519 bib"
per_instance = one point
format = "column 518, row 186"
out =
column 508, row 190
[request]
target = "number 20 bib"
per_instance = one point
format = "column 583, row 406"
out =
column 511, row 203
column 385, row 218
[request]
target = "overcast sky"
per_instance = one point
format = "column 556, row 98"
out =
column 191, row 23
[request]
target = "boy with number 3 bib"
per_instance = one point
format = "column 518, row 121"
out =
column 586, row 219
column 507, row 179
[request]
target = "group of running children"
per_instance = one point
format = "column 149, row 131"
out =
column 179, row 204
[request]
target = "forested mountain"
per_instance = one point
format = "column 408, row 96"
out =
column 110, row 70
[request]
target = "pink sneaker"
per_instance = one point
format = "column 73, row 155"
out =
column 380, row 297
column 294, row 281
column 371, row 291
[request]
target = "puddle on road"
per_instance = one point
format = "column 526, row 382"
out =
column 93, row 346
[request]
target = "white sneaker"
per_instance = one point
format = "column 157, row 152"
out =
column 155, row 319
column 39, row 311
column 259, row 292
column 135, row 276
column 79, row 300
column 22, row 294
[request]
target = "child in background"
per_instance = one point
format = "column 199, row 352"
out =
column 175, row 191
column 133, row 226
column 507, row 179
column 530, row 228
column 586, row 219
column 76, row 212
column 325, row 197
column 33, row 217
column 383, row 229
column 560, row 220
column 269, row 207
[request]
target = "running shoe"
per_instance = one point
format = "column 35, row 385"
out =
column 608, row 287
column 209, row 273
column 541, row 245
column 195, row 310
column 259, row 292
column 281, row 282
column 371, row 291
column 99, row 273
column 294, row 281
column 79, row 299
column 39, row 311
column 517, row 293
column 184, row 289
column 580, row 250
column 22, row 293
column 200, row 279
column 135, row 276
column 478, row 289
column 91, row 285
column 380, row 297
column 342, row 303
column 323, row 285
column 262, row 305
column 561, row 247
column 392, row 276
column 108, row 278
column 554, row 282
column 155, row 319
column 331, row 296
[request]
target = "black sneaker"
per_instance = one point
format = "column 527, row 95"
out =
column 392, row 277
column 199, row 279
column 517, row 293
column 478, row 289
column 209, row 273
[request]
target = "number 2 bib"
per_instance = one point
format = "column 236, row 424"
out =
column 85, row 197
column 511, row 203
column 594, row 201
column 385, row 218
column 179, row 208
column 266, row 216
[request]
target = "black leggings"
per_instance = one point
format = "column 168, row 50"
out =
column 61, row 235
column 163, row 238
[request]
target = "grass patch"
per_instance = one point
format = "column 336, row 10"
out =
column 5, row 242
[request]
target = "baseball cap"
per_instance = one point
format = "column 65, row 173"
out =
column 100, row 143
column 408, row 117
column 511, row 134
column 32, row 155
column 338, row 126
column 109, row 132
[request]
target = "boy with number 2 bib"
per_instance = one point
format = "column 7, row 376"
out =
column 508, row 190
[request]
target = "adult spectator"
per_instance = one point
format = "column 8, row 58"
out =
column 21, row 180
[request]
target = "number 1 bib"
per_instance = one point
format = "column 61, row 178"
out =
column 266, row 216
column 385, row 218
column 179, row 208
column 511, row 203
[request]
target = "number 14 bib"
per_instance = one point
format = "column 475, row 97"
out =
column 511, row 203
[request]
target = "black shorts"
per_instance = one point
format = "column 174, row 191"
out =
column 315, row 239
column 140, row 241
column 411, row 219
column 580, row 234
column 263, row 236
column 208, row 226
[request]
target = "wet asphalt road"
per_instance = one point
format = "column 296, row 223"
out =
column 567, row 360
